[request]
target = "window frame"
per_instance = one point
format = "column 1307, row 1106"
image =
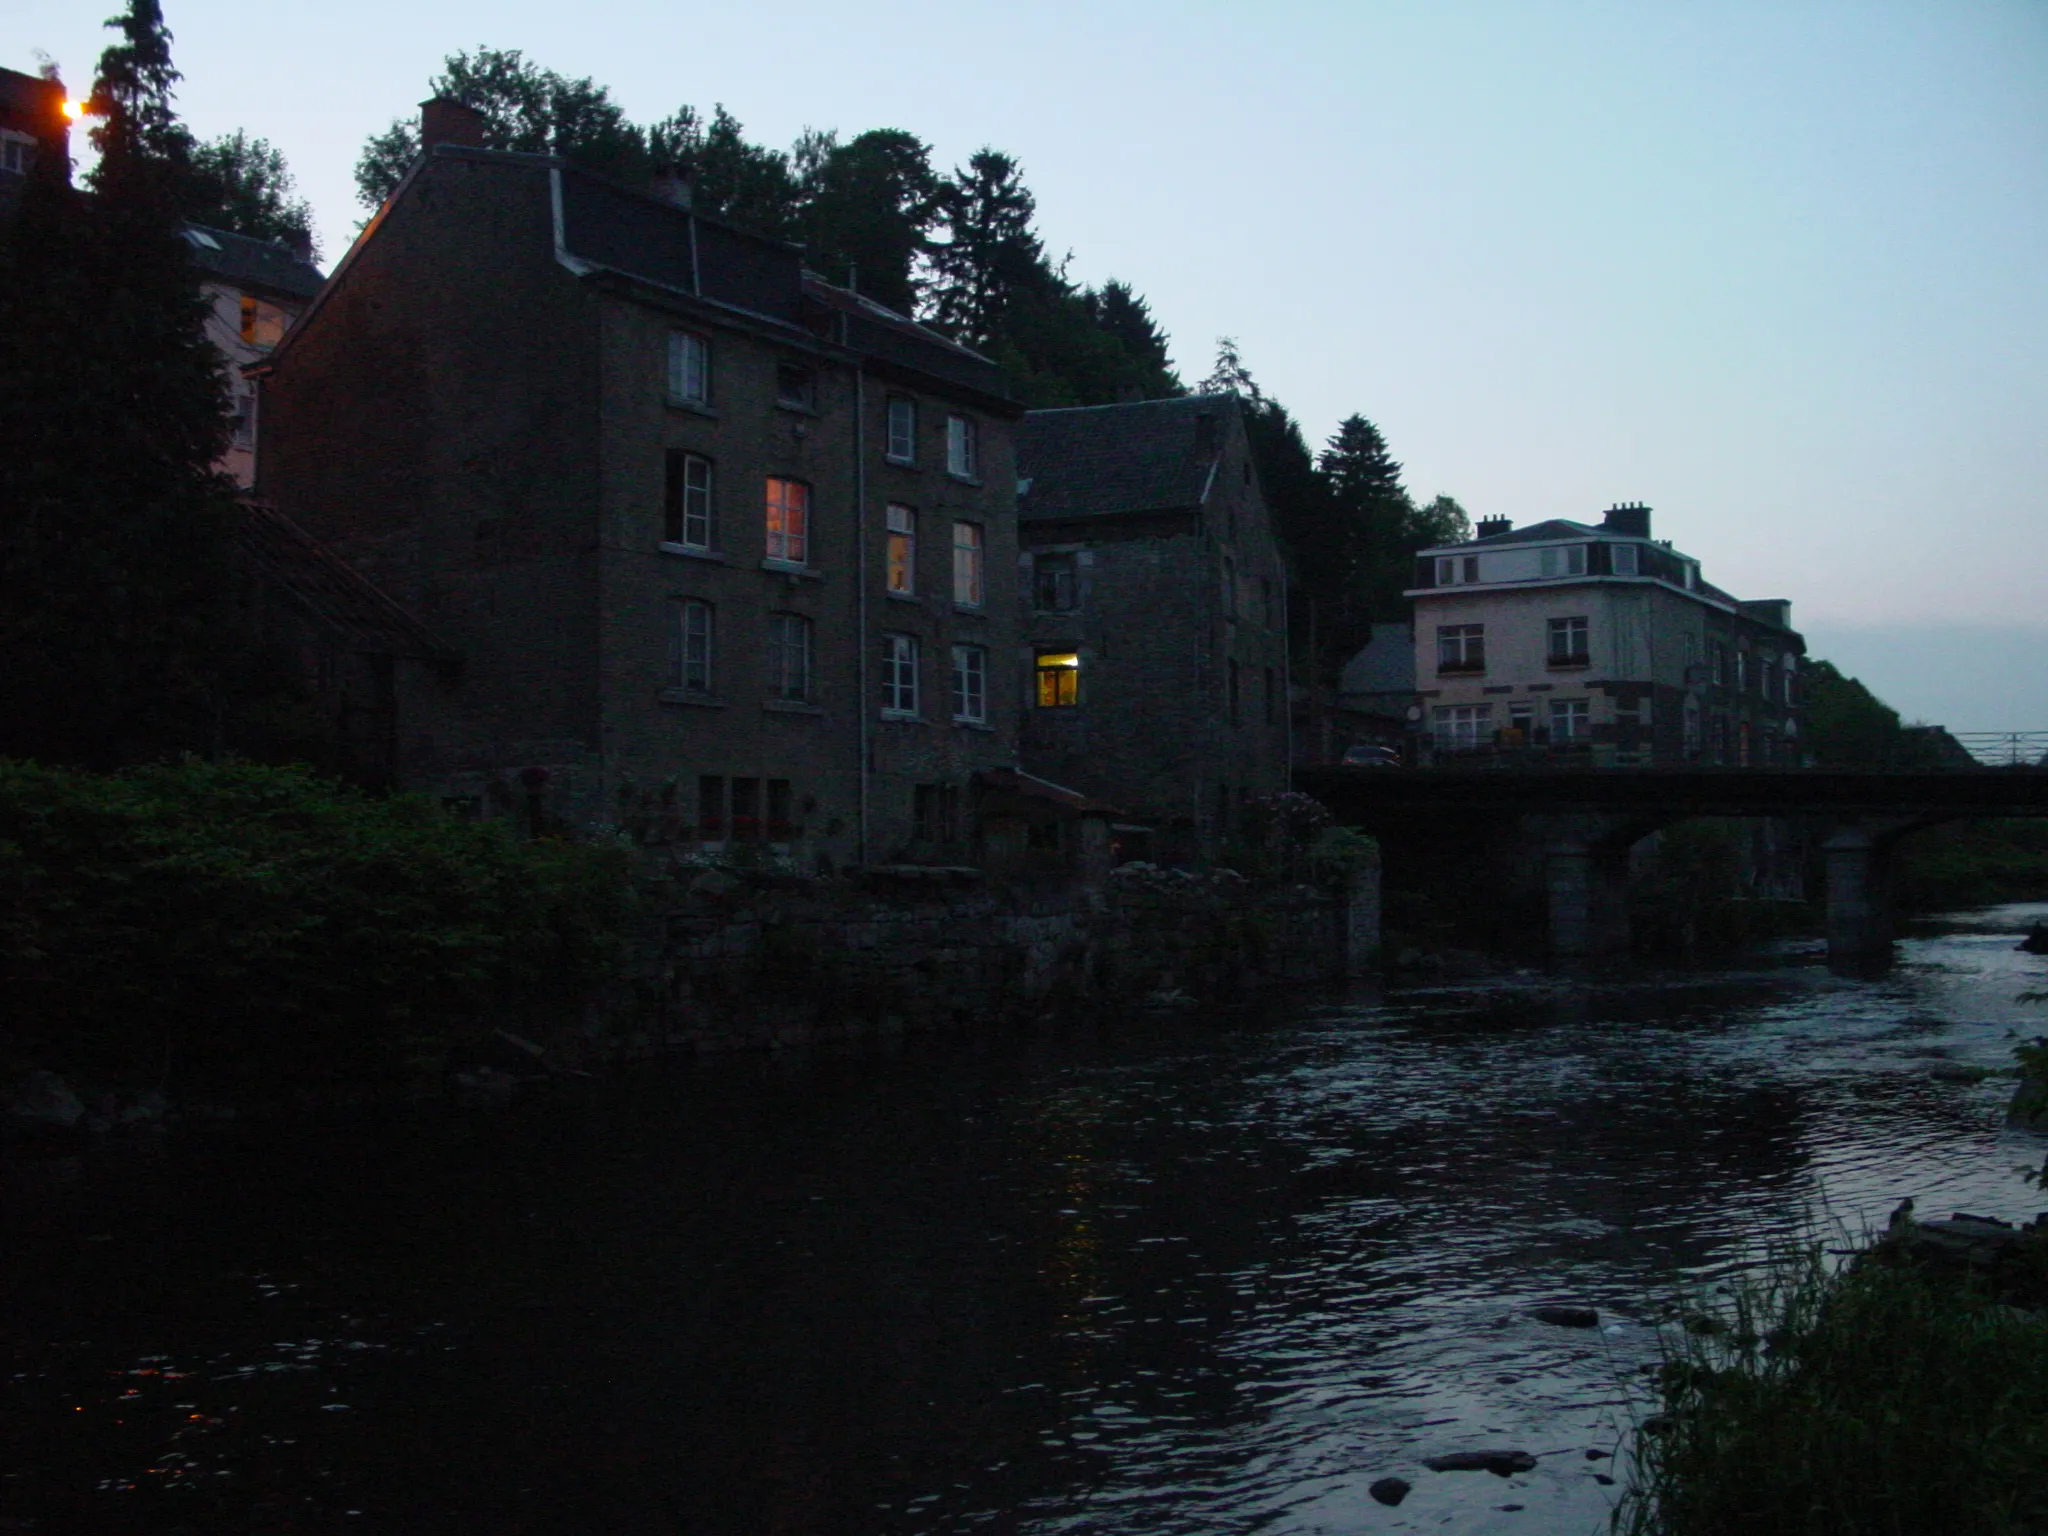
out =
column 1461, row 727
column 970, row 564
column 963, row 447
column 1570, row 710
column 900, row 683
column 1062, row 669
column 684, row 348
column 792, row 637
column 1063, row 577
column 804, row 398
column 1461, row 649
column 970, row 684
column 1625, row 559
column 676, row 501
column 793, row 542
column 905, row 407
column 695, row 675
column 899, row 539
column 1566, row 656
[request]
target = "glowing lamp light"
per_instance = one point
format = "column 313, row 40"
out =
column 73, row 110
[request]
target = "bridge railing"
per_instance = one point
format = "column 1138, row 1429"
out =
column 2006, row 749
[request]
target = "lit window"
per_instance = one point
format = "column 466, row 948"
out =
column 970, row 684
column 686, row 510
column 967, row 565
column 689, row 368
column 789, row 657
column 902, row 563
column 694, row 631
column 902, row 430
column 1059, row 679
column 962, row 451
column 1461, row 648
column 789, row 521
column 1568, row 642
column 899, row 674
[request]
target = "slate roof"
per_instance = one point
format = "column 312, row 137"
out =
column 249, row 263
column 1555, row 528
column 336, row 596
column 1099, row 460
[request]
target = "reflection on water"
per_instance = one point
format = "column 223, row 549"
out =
column 1189, row 1275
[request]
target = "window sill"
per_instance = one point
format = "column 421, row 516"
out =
column 975, row 610
column 694, row 407
column 694, row 700
column 792, row 707
column 796, row 407
column 904, row 597
column 792, row 570
column 1569, row 663
column 692, row 552
column 955, row 475
column 1461, row 671
column 907, row 716
column 890, row 458
column 973, row 725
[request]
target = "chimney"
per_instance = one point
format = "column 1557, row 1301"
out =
column 443, row 120
column 1492, row 527
column 300, row 243
column 1631, row 519
column 676, row 185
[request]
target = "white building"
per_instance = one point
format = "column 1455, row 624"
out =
column 1568, row 643
column 254, row 290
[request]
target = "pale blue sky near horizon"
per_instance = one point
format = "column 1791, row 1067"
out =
column 1777, row 270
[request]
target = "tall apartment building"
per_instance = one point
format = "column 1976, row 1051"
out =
column 1157, row 613
column 719, row 546
column 1565, row 642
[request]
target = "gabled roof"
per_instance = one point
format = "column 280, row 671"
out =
column 1100, row 460
column 250, row 263
column 334, row 595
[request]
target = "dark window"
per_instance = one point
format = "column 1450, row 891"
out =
column 686, row 511
column 1053, row 583
column 789, row 657
column 746, row 809
column 711, row 805
column 1568, row 643
column 1234, row 672
column 935, row 808
column 695, row 628
column 689, row 368
column 781, row 817
column 963, row 450
column 1461, row 648
column 899, row 674
column 902, row 447
column 795, row 386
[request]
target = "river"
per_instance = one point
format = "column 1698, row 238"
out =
column 1206, row 1273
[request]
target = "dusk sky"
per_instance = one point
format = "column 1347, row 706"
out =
column 1779, row 270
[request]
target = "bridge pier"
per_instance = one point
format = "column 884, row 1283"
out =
column 1585, row 881
column 1859, row 917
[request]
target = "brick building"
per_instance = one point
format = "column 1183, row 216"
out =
column 1565, row 642
column 1156, row 604
column 34, row 126
column 723, row 550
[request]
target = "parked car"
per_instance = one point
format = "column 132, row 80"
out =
column 1371, row 755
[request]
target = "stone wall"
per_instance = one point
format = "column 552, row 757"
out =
column 733, row 962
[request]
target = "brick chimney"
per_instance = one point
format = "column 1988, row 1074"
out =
column 443, row 120
column 1491, row 527
column 674, row 184
column 1628, row 518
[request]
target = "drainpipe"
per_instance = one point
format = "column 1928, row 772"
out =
column 860, row 577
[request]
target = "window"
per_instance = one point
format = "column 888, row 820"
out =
column 1569, row 719
column 789, row 521
column 1059, row 679
column 1271, row 697
column 263, row 325
column 1791, row 683
column 781, row 811
column 17, row 152
column 1229, row 588
column 963, row 458
column 970, row 684
column 935, row 813
column 1626, row 558
column 695, row 626
column 902, row 430
column 1570, row 560
column 899, row 675
column 795, row 387
column 1453, row 570
column 711, row 806
column 1462, row 727
column 1717, row 657
column 1269, row 616
column 1521, row 725
column 1461, row 648
column 1233, row 675
column 1053, row 583
column 686, row 502
column 244, row 405
column 789, row 657
column 689, row 368
column 967, row 563
column 902, row 561
column 1568, row 643
column 746, row 810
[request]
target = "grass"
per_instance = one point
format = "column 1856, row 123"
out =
column 1878, row 1400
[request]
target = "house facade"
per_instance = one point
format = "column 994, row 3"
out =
column 1155, row 603
column 726, row 553
column 1565, row 642
column 33, row 127
column 254, row 290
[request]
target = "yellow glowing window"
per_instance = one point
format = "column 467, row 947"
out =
column 1059, row 679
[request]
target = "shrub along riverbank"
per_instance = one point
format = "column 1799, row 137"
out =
column 218, row 930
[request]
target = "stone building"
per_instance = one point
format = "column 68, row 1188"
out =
column 1563, row 642
column 725, row 553
column 254, row 290
column 1155, row 599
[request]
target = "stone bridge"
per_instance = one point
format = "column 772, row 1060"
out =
column 1582, row 824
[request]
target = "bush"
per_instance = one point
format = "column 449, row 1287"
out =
column 232, row 925
column 1885, row 1399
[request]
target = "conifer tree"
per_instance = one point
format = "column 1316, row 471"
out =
column 242, row 184
column 112, row 412
column 868, row 211
column 991, row 253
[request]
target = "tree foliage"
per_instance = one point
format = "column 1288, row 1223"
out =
column 242, row 184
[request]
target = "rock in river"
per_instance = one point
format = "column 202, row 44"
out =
column 1390, row 1490
column 1567, row 1317
column 1499, row 1463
